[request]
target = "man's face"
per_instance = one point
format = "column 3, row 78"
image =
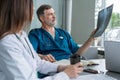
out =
column 49, row 17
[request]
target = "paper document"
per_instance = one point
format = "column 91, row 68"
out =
column 94, row 77
column 103, row 19
column 67, row 62
column 63, row 62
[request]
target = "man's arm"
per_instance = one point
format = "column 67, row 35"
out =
column 87, row 44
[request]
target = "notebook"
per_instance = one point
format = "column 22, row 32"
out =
column 112, row 55
column 103, row 19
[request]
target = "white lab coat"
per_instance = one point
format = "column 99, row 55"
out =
column 17, row 63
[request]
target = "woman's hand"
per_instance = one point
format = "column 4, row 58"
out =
column 74, row 70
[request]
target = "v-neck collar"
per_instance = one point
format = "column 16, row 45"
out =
column 44, row 31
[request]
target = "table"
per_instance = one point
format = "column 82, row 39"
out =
column 101, row 67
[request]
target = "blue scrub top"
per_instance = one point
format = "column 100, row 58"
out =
column 61, row 47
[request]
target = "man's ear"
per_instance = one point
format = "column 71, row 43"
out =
column 41, row 18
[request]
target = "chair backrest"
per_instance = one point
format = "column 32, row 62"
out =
column 91, row 53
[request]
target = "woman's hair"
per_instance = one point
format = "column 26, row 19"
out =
column 14, row 15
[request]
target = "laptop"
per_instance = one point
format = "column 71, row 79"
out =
column 112, row 55
column 103, row 19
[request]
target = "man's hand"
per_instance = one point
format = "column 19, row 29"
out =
column 48, row 57
column 93, row 33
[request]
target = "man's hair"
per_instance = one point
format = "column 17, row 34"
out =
column 41, row 9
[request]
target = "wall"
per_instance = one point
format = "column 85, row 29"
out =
column 82, row 19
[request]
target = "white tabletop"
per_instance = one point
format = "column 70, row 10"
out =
column 100, row 67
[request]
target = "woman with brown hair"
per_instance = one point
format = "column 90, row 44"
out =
column 18, row 60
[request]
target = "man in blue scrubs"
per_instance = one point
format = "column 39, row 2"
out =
column 53, row 43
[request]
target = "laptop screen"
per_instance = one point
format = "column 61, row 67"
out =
column 112, row 55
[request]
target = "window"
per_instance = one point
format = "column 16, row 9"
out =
column 113, row 29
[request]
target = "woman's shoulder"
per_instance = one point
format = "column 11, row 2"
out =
column 8, row 42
